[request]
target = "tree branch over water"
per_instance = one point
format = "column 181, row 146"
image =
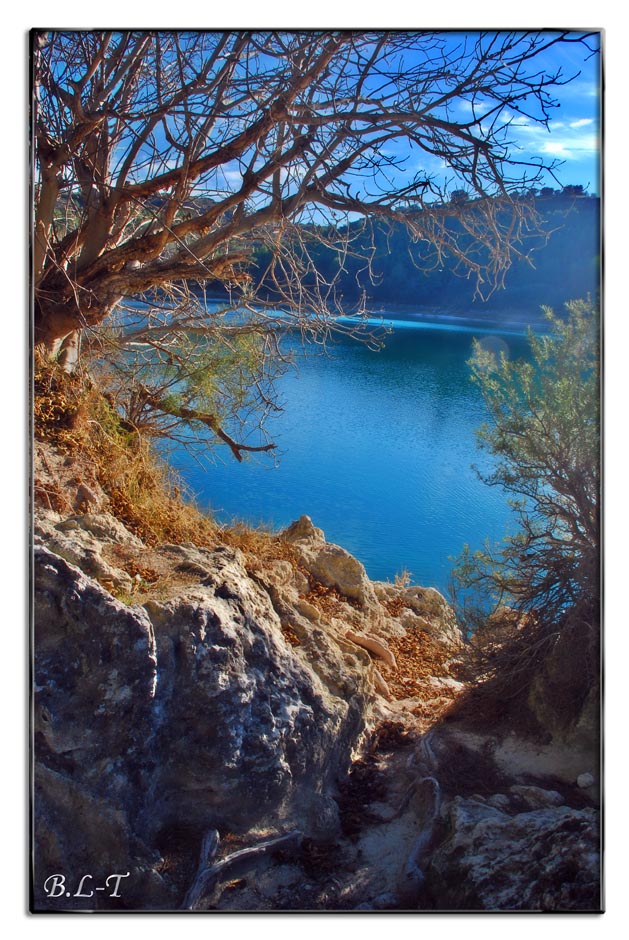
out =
column 222, row 159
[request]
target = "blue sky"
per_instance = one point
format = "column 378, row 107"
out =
column 572, row 137
column 571, row 141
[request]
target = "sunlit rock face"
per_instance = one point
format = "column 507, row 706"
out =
column 329, row 563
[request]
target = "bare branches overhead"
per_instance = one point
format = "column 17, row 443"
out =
column 167, row 161
column 160, row 156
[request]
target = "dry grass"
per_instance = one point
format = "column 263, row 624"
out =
column 142, row 492
column 259, row 545
column 84, row 440
column 71, row 414
column 59, row 402
column 403, row 578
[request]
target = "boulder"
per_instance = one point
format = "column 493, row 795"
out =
column 94, row 672
column 330, row 564
column 303, row 530
column 495, row 859
column 82, row 544
column 419, row 610
column 94, row 690
column 187, row 714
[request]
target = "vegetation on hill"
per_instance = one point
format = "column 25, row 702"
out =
column 74, row 417
column 559, row 261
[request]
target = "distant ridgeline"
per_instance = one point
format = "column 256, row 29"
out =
column 564, row 267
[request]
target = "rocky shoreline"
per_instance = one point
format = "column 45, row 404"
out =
column 277, row 733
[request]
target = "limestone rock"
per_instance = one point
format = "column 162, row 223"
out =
column 493, row 860
column 420, row 610
column 377, row 647
column 94, row 688
column 94, row 673
column 103, row 526
column 429, row 611
column 330, row 564
column 193, row 712
column 303, row 530
column 80, row 540
column 86, row 498
column 251, row 729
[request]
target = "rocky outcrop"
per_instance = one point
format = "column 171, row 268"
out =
column 190, row 712
column 422, row 610
column 80, row 540
column 285, row 702
column 253, row 734
column 330, row 564
column 95, row 674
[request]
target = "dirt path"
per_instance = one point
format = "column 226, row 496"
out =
column 388, row 808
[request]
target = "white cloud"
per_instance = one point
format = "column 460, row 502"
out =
column 582, row 122
column 476, row 107
column 570, row 147
column 555, row 147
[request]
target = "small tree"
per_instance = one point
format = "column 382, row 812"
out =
column 544, row 432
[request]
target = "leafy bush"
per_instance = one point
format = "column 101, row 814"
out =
column 544, row 432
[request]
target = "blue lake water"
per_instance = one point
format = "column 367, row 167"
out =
column 377, row 448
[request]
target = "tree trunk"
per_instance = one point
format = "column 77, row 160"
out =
column 58, row 327
column 52, row 325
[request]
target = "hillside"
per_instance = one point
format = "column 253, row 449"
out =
column 565, row 266
column 562, row 262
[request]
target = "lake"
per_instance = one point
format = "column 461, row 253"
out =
column 377, row 448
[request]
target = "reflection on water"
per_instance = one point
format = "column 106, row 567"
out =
column 377, row 448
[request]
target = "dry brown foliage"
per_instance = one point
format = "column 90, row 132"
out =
column 394, row 606
column 289, row 634
column 59, row 402
column 259, row 545
column 326, row 598
column 419, row 657
column 390, row 736
column 142, row 492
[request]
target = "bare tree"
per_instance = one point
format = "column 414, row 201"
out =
column 170, row 159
